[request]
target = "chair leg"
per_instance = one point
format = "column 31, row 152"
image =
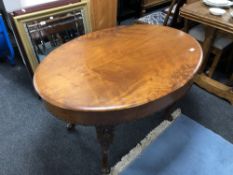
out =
column 186, row 25
column 165, row 23
column 213, row 66
column 143, row 12
column 142, row 8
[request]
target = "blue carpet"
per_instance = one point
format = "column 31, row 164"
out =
column 185, row 148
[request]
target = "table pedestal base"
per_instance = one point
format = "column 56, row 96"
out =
column 105, row 136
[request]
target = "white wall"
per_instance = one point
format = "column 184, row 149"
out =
column 12, row 5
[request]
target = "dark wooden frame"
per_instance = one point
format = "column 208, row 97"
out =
column 43, row 6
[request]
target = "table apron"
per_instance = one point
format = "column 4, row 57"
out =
column 207, row 22
column 95, row 118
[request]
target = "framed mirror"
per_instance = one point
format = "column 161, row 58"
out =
column 41, row 31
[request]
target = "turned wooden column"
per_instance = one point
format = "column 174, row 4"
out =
column 105, row 136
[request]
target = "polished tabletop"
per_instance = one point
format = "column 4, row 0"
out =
column 117, row 69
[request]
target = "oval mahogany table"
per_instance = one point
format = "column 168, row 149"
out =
column 117, row 75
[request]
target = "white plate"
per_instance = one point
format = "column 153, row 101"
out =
column 216, row 5
column 217, row 11
column 218, row 2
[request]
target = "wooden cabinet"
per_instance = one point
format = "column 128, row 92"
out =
column 152, row 3
column 103, row 14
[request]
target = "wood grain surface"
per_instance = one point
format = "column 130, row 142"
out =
column 199, row 12
column 118, row 74
column 103, row 14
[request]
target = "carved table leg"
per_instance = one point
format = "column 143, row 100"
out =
column 105, row 136
column 70, row 126
column 210, row 34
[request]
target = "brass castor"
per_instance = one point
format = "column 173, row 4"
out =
column 70, row 126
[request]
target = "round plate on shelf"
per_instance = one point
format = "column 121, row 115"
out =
column 217, row 3
column 217, row 11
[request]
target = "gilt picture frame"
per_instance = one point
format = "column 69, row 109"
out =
column 22, row 21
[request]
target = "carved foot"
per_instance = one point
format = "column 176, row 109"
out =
column 70, row 127
column 105, row 136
